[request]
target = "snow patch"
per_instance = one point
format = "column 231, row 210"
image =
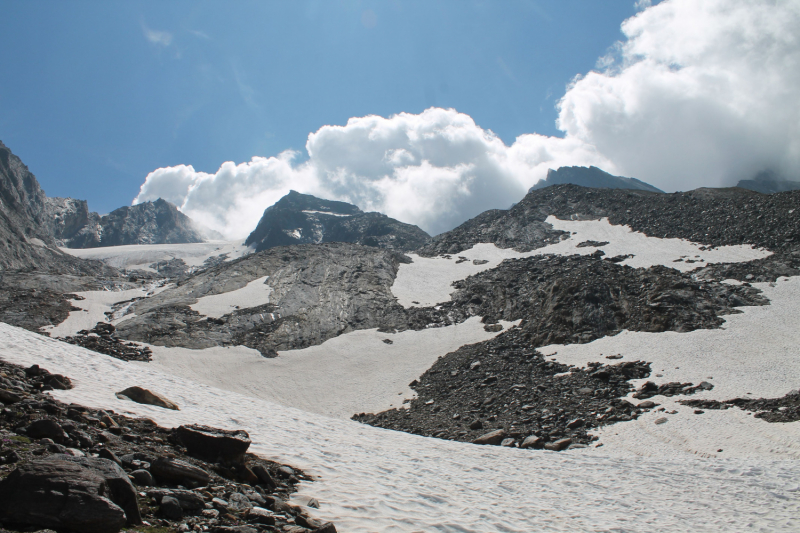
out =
column 253, row 294
column 349, row 374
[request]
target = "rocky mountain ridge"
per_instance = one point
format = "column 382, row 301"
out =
column 591, row 177
column 302, row 218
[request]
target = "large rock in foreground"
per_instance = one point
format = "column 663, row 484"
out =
column 69, row 493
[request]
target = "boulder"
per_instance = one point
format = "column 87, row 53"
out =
column 9, row 397
column 264, row 476
column 188, row 499
column 328, row 527
column 64, row 493
column 558, row 445
column 493, row 437
column 142, row 478
column 140, row 395
column 175, row 470
column 213, row 444
column 46, row 429
column 170, row 508
column 262, row 516
column 58, row 382
column 532, row 441
column 239, row 502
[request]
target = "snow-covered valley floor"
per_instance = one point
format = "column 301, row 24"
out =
column 370, row 479
column 645, row 477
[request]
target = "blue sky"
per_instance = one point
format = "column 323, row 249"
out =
column 96, row 95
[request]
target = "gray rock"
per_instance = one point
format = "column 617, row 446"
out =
column 171, row 508
column 213, row 444
column 239, row 502
column 261, row 516
column 46, row 429
column 175, row 470
column 189, row 500
column 142, row 478
column 508, row 443
column 263, row 475
column 68, row 495
column 662, row 420
column 219, row 504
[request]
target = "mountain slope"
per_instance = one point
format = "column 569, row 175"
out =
column 708, row 216
column 769, row 183
column 26, row 229
column 301, row 218
column 591, row 177
column 157, row 222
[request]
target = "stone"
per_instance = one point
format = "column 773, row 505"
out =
column 310, row 523
column 278, row 505
column 239, row 502
column 68, row 494
column 578, row 422
column 493, row 328
column 492, row 438
column 142, row 478
column 508, row 443
column 285, row 471
column 661, row 420
column 213, row 444
column 264, row 476
column 170, row 508
column 532, row 441
column 46, row 429
column 9, row 397
column 477, row 424
column 260, row 515
column 328, row 527
column 558, row 445
column 647, row 404
column 176, row 470
column 111, row 456
column 189, row 500
column 144, row 396
column 57, row 381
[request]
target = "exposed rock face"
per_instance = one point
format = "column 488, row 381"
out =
column 318, row 292
column 301, row 218
column 768, row 182
column 591, row 177
column 157, row 222
column 63, row 494
column 26, row 229
column 715, row 217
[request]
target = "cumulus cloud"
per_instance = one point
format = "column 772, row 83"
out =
column 698, row 94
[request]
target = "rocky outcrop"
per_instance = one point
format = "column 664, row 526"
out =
column 591, row 177
column 157, row 222
column 714, row 217
column 301, row 218
column 26, row 229
column 83, row 482
column 318, row 292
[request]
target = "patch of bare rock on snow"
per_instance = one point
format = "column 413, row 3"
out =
column 369, row 479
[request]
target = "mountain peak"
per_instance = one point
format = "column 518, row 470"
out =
column 591, row 177
column 302, row 218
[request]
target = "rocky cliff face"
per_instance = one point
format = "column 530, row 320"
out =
column 26, row 227
column 301, row 218
column 591, row 177
column 157, row 222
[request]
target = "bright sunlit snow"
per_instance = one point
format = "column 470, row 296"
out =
column 141, row 256
column 253, row 294
column 369, row 479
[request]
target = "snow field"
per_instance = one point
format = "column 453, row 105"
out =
column 353, row 373
column 253, row 294
column 369, row 479
column 429, row 280
column 756, row 354
column 141, row 256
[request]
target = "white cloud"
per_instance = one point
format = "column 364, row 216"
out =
column 699, row 94
column 162, row 38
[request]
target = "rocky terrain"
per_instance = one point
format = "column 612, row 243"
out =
column 505, row 385
column 157, row 222
column 318, row 292
column 301, row 218
column 768, row 183
column 69, row 468
column 591, row 177
column 713, row 217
